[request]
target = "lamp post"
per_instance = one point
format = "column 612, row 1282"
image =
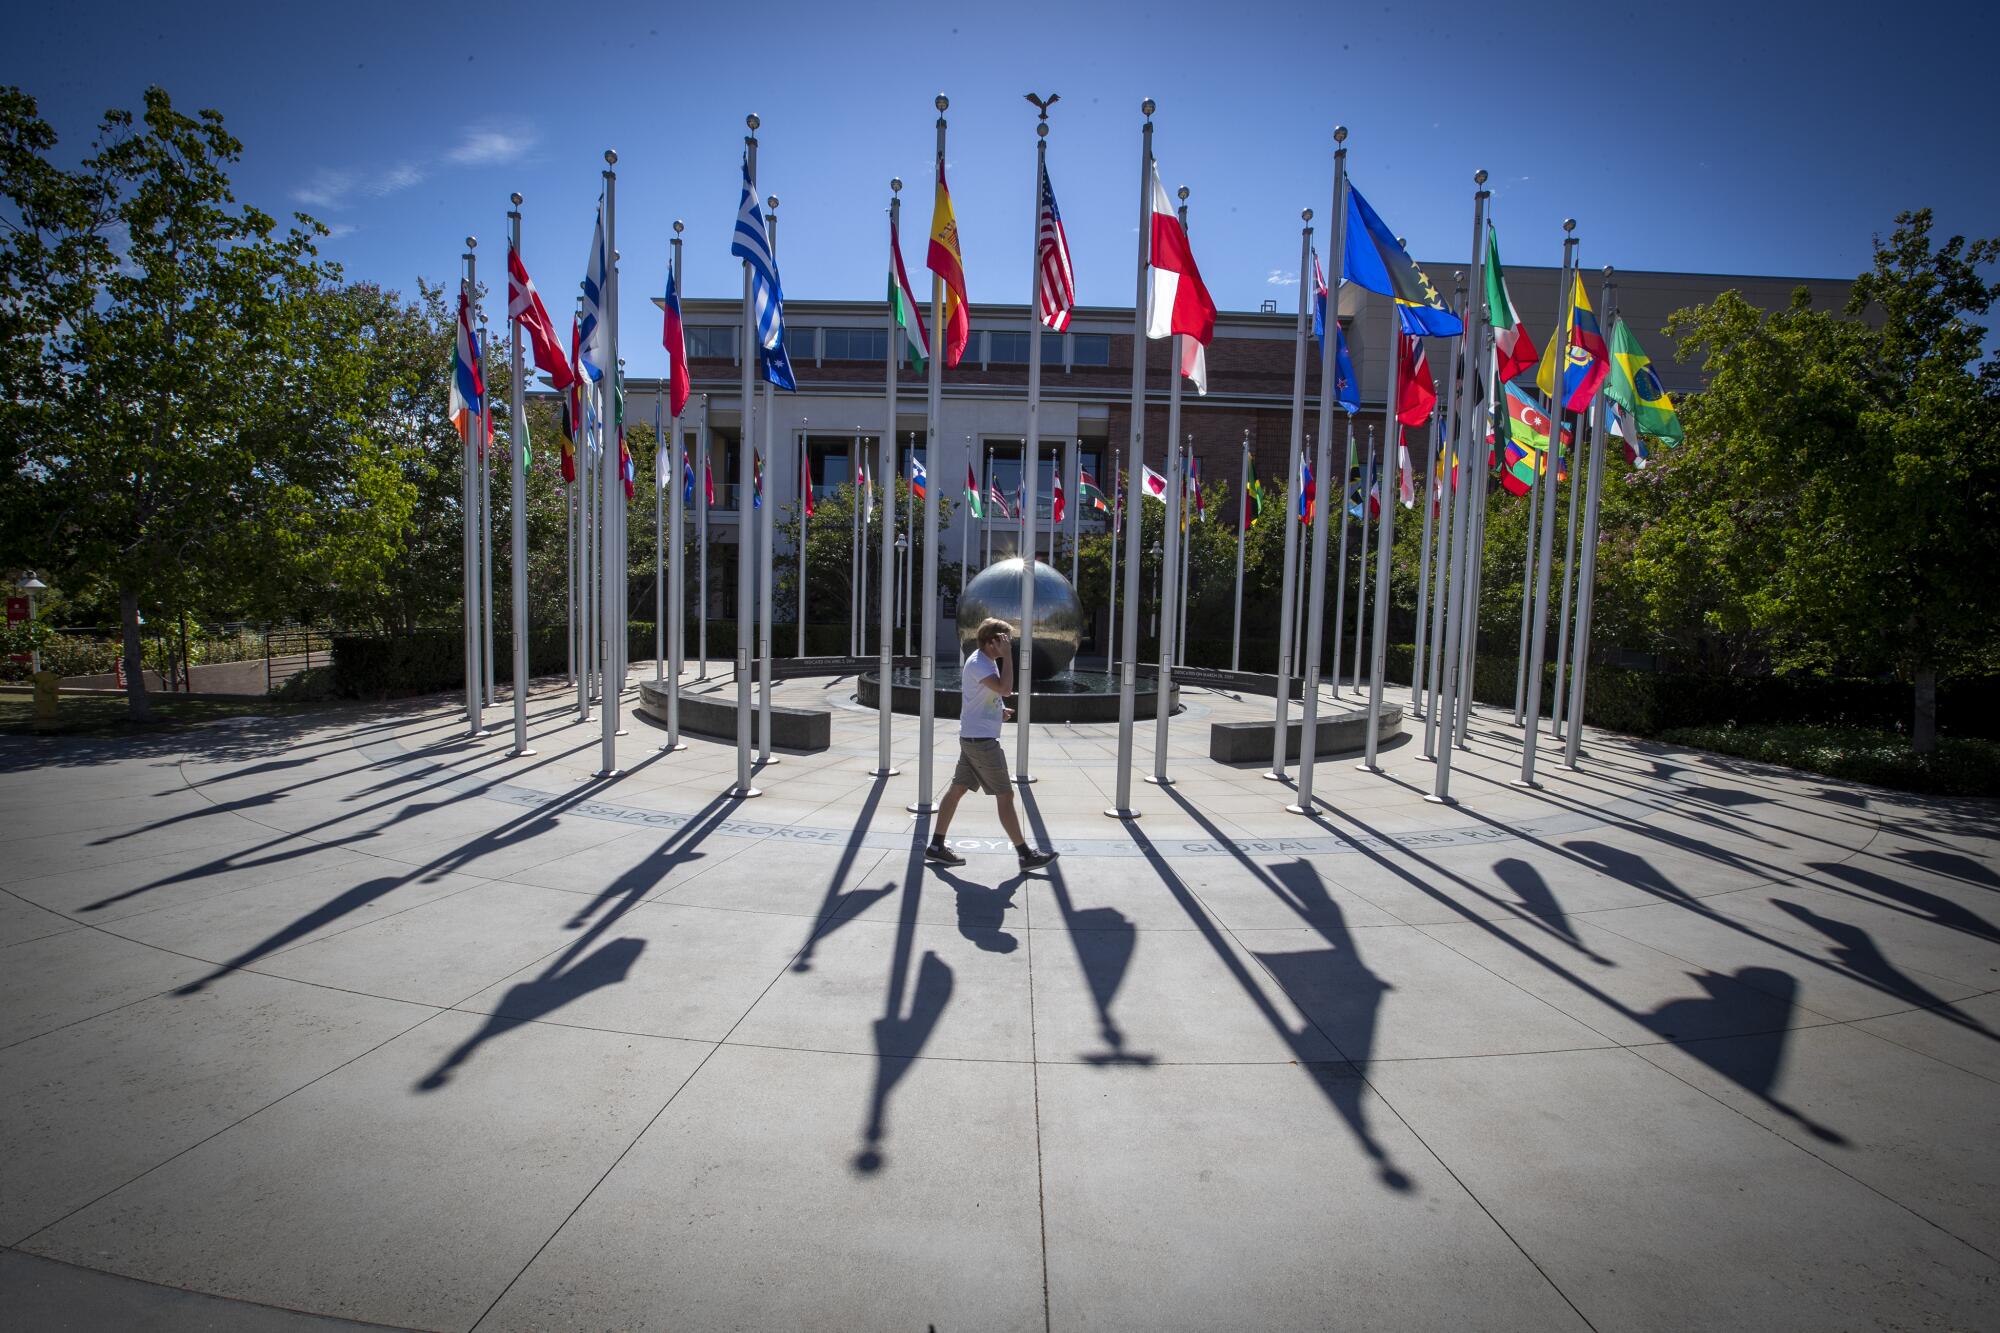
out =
column 32, row 585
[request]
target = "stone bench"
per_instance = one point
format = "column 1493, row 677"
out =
column 1338, row 733
column 714, row 716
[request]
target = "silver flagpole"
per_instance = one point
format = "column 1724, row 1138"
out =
column 1587, row 587
column 486, row 532
column 701, row 446
column 518, row 513
column 885, row 483
column 1330, row 503
column 858, row 577
column 1475, row 576
column 805, row 489
column 1439, row 417
column 612, row 654
column 1368, row 480
column 468, row 490
column 1527, row 590
column 985, row 500
column 1440, row 494
column 927, row 658
column 1457, row 553
column 1190, row 490
column 580, row 584
column 1024, row 668
column 569, row 576
column 1128, row 670
column 1538, row 637
column 1073, row 503
column 1338, row 514
column 965, row 523
column 1170, row 561
column 677, row 538
column 908, row 556
column 1385, row 538
column 1288, row 583
column 1111, row 570
column 746, row 539
column 1242, row 529
column 660, row 538
column 767, row 549
column 1569, row 575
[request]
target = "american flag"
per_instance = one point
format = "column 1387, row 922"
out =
column 1052, row 253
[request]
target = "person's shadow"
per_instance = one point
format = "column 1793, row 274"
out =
column 982, row 911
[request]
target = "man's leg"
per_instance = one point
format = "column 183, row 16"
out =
column 1010, row 819
column 946, row 808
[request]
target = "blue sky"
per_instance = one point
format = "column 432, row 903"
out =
column 1712, row 137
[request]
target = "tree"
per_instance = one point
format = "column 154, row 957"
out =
column 1834, row 498
column 183, row 422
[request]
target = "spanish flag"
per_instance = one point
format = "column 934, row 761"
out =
column 948, row 263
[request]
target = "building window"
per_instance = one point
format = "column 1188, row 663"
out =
column 857, row 344
column 1006, row 347
column 1090, row 349
column 711, row 342
column 801, row 345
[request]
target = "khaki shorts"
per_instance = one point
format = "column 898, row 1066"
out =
column 982, row 766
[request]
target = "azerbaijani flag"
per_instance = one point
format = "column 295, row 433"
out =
column 1586, row 360
column 1511, row 342
column 1527, row 444
column 910, row 319
column 948, row 263
column 1636, row 388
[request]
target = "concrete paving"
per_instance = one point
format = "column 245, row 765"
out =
column 352, row 1020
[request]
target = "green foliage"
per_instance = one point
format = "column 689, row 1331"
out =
column 1955, row 768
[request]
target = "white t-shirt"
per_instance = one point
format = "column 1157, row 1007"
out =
column 980, row 709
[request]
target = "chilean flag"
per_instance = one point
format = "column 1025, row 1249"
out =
column 1176, row 299
column 672, row 338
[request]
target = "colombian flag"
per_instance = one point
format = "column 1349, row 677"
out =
column 1586, row 360
column 948, row 263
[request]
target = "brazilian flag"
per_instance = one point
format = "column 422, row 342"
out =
column 1636, row 388
column 1253, row 498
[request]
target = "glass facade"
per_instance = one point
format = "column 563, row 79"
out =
column 710, row 341
column 857, row 345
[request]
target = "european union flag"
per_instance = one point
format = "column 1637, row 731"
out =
column 1375, row 261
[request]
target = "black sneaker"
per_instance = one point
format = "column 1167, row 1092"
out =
column 940, row 855
column 1036, row 860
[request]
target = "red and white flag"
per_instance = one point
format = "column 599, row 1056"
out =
column 1152, row 483
column 806, row 482
column 1176, row 299
column 524, row 306
column 1406, row 486
column 1416, row 391
column 1056, row 499
column 1052, row 257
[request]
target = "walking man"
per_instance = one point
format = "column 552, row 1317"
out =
column 985, row 683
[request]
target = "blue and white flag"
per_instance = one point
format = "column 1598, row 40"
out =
column 752, row 244
column 593, row 351
column 663, row 461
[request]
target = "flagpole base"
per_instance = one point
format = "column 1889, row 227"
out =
column 1365, row 767
column 1302, row 809
column 621, row 732
column 921, row 808
column 1158, row 779
column 1025, row 781
column 744, row 793
column 1435, row 799
column 609, row 773
column 885, row 772
column 522, row 753
column 1115, row 813
column 1526, row 784
column 1276, row 775
column 671, row 746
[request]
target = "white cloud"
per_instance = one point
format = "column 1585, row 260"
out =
column 399, row 177
column 325, row 189
column 1279, row 277
column 487, row 145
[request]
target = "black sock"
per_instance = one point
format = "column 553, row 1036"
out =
column 1020, row 849
column 937, row 839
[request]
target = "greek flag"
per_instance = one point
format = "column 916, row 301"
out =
column 596, row 271
column 752, row 244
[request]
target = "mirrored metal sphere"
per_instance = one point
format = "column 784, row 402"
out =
column 996, row 591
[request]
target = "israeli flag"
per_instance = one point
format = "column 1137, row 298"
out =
column 592, row 351
column 752, row 244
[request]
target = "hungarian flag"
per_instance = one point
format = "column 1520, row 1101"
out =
column 948, row 263
column 1176, row 299
column 806, row 482
column 674, row 339
column 1152, row 484
column 916, row 343
column 1586, row 360
column 1416, row 391
column 1527, row 444
column 1056, row 499
column 1636, row 388
column 972, row 492
column 1511, row 342
column 524, row 307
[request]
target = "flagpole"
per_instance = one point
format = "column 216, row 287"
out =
column 1128, row 670
column 1536, row 468
column 1455, row 561
column 1190, row 491
column 1368, row 483
column 885, row 479
column 485, row 563
column 468, row 513
column 1419, row 698
column 1325, row 505
column 660, row 538
column 986, row 500
column 858, row 579
column 1111, row 570
column 1338, row 514
column 569, row 579
column 1442, row 496
column 517, row 434
column 927, row 658
column 1537, row 640
column 765, row 514
column 746, row 540
column 701, row 544
column 909, row 557
column 1024, row 668
column 1170, row 560
column 1242, row 530
column 1476, row 568
column 805, row 489
column 1587, row 595
column 965, row 525
column 1558, row 699
column 1072, row 498
column 610, row 655
column 677, row 537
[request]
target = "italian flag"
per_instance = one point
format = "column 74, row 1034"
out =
column 916, row 345
column 1511, row 343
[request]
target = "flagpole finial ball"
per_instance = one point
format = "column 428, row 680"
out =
column 1607, row 272
column 1183, row 193
column 472, row 242
column 753, row 121
column 1041, row 129
column 942, row 102
column 1148, row 106
column 770, row 201
column 895, row 185
column 611, row 157
column 679, row 226
column 1479, row 176
column 1569, row 224
column 516, row 197
column 1305, row 215
column 1340, row 134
